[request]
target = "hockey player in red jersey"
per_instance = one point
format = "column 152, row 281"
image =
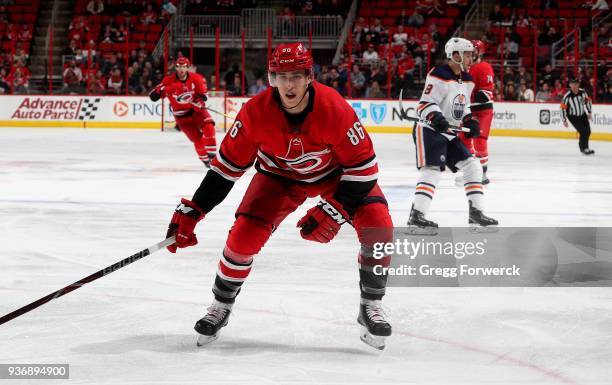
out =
column 186, row 92
column 482, row 106
column 305, row 141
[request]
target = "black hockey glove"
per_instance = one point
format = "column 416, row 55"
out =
column 437, row 121
column 481, row 97
column 473, row 125
column 154, row 96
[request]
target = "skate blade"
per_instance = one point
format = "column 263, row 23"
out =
column 377, row 342
column 416, row 230
column 483, row 229
column 205, row 340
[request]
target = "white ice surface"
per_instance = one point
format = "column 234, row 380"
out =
column 74, row 201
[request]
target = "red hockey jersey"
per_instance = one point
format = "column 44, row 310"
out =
column 184, row 95
column 330, row 141
column 482, row 96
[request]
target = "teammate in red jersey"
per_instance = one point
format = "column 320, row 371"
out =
column 186, row 92
column 305, row 141
column 482, row 106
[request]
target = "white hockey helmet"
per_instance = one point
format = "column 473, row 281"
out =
column 458, row 44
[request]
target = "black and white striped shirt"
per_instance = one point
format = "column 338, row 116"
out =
column 575, row 104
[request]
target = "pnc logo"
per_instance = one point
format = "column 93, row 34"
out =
column 120, row 109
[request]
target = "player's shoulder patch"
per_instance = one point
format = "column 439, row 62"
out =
column 443, row 73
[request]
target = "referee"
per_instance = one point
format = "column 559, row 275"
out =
column 576, row 107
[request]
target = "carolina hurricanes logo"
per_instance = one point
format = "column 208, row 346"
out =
column 308, row 163
column 185, row 97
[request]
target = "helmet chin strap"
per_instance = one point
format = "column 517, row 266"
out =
column 298, row 103
column 303, row 96
column 459, row 62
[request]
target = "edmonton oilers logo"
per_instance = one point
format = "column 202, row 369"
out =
column 458, row 106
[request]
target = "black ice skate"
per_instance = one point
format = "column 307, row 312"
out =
column 485, row 179
column 588, row 151
column 209, row 326
column 418, row 225
column 481, row 223
column 374, row 326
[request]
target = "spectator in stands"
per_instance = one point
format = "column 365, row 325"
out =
column 5, row 87
column 402, row 19
column 120, row 34
column 336, row 86
column 230, row 75
column 510, row 49
column 370, row 56
column 556, row 95
column 333, row 75
column 400, row 37
column 412, row 45
column 90, row 50
column 549, row 75
column 235, row 89
column 543, row 95
column 374, row 91
column 257, row 88
column 524, row 20
column 496, row 16
column 554, row 35
column 306, row 8
column 149, row 16
column 26, row 33
column 108, row 65
column 79, row 23
column 95, row 7
column 71, row 49
column 358, row 82
column 435, row 36
column 598, row 5
column 115, row 82
column 377, row 73
column 416, row 19
column 324, row 74
column 607, row 95
column 428, row 45
column 358, row 38
column 510, row 93
column 168, row 9
column 106, row 35
column 525, row 93
column 287, row 18
column 523, row 75
column 73, row 76
column 19, row 81
column 20, row 55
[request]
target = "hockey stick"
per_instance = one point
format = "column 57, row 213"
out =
column 98, row 274
column 405, row 116
column 220, row 113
